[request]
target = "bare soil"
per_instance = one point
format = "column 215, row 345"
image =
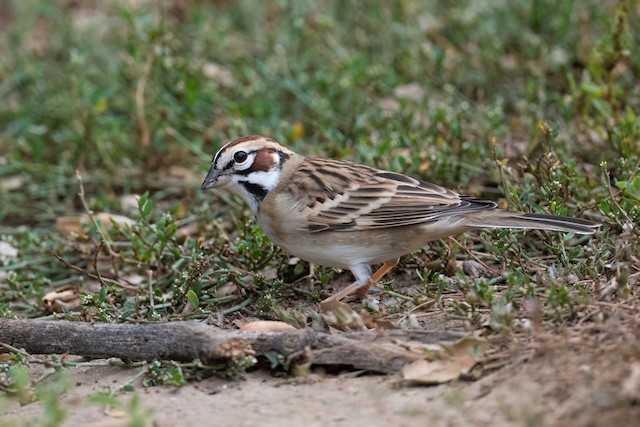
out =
column 588, row 375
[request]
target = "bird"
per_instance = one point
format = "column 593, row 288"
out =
column 351, row 216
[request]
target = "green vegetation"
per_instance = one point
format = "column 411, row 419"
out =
column 531, row 103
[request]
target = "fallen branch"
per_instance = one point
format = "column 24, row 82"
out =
column 186, row 341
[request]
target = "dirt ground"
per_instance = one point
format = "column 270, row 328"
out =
column 587, row 376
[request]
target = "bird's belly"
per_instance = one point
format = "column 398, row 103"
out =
column 339, row 254
column 345, row 249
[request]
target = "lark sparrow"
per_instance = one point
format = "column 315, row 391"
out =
column 346, row 215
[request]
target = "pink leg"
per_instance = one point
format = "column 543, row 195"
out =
column 359, row 290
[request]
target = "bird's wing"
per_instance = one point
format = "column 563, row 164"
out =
column 343, row 196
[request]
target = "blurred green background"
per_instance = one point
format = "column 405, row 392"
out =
column 534, row 103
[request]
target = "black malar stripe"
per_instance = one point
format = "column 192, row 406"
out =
column 256, row 189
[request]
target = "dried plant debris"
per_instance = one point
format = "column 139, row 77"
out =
column 66, row 297
column 446, row 363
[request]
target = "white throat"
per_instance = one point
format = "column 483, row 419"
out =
column 268, row 180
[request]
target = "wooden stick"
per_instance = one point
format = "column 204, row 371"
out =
column 186, row 341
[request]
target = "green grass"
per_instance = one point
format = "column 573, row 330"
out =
column 531, row 103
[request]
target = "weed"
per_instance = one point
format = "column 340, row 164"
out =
column 531, row 105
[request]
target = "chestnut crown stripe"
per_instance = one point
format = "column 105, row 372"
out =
column 246, row 139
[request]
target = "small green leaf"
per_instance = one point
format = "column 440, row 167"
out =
column 145, row 206
column 630, row 188
column 592, row 89
column 103, row 398
column 102, row 295
column 193, row 299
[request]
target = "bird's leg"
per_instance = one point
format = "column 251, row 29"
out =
column 379, row 274
column 359, row 289
column 349, row 290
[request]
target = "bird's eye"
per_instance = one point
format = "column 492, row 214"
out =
column 240, row 156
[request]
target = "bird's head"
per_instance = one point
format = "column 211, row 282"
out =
column 249, row 166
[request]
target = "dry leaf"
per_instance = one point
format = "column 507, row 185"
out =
column 107, row 219
column 181, row 174
column 134, row 279
column 455, row 360
column 297, row 130
column 383, row 324
column 475, row 269
column 226, row 289
column 117, row 413
column 219, row 74
column 340, row 316
column 73, row 224
column 10, row 183
column 64, row 297
column 7, row 251
column 437, row 371
column 267, row 326
column 469, row 345
column 412, row 91
column 129, row 202
column 389, row 105
column 423, row 121
column 188, row 230
column 333, row 305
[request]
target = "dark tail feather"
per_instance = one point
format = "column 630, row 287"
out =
column 535, row 221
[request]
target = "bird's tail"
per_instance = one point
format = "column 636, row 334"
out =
column 506, row 219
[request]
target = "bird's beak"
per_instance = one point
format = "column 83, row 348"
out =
column 211, row 181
